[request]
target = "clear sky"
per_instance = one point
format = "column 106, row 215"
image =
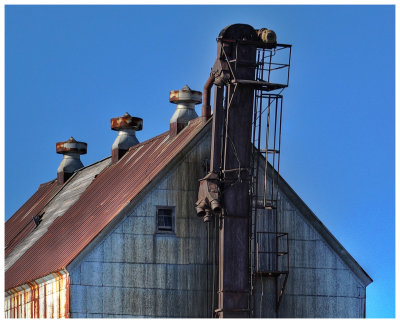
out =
column 70, row 69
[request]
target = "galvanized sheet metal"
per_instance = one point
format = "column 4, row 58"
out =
column 21, row 223
column 110, row 192
column 64, row 199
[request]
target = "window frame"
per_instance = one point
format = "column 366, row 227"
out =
column 173, row 216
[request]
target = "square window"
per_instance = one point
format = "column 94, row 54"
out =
column 165, row 219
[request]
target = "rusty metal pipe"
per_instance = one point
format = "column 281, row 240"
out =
column 215, row 206
column 206, row 107
column 200, row 208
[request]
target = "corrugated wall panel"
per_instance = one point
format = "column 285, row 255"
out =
column 137, row 272
column 44, row 298
column 106, row 196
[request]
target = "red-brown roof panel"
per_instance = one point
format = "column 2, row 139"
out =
column 21, row 223
column 105, row 197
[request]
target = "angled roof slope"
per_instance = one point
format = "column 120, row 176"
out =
column 59, row 204
column 21, row 223
column 109, row 193
column 323, row 231
column 97, row 204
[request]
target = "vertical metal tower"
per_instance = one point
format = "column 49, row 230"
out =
column 244, row 141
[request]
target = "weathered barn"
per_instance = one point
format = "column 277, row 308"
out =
column 120, row 237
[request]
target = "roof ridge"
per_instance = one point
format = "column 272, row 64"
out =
column 105, row 197
column 47, row 183
column 165, row 133
column 92, row 164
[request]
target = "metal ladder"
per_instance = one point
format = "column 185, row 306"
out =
column 269, row 248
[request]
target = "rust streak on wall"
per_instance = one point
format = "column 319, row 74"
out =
column 36, row 301
column 106, row 196
column 66, row 311
column 47, row 297
column 45, row 301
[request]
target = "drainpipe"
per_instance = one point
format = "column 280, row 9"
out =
column 206, row 107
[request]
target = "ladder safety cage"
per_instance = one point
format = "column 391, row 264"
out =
column 270, row 248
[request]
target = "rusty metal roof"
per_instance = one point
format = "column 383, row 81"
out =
column 21, row 223
column 59, row 204
column 106, row 196
column 114, row 187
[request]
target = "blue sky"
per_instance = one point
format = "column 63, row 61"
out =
column 70, row 69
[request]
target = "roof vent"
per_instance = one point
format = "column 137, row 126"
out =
column 185, row 99
column 126, row 127
column 71, row 149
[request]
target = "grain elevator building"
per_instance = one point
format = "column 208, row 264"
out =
column 195, row 222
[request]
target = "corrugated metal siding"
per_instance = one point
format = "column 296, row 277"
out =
column 44, row 298
column 106, row 196
column 321, row 283
column 136, row 271
column 21, row 224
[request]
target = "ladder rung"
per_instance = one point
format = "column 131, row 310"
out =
column 260, row 207
column 276, row 151
column 267, row 86
column 272, row 273
column 280, row 253
column 259, row 202
column 242, row 63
